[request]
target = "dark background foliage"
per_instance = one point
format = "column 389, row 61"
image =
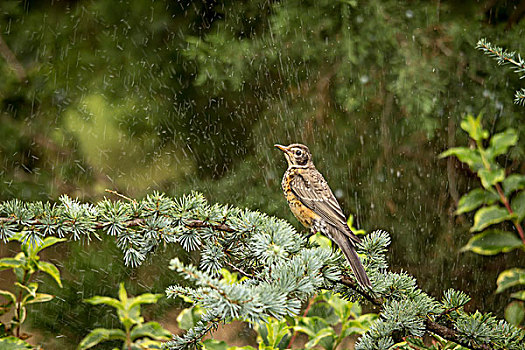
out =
column 140, row 95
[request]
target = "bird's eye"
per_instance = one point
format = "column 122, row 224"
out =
column 298, row 152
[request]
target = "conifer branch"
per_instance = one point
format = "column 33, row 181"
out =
column 504, row 57
column 282, row 269
column 348, row 282
column 197, row 224
column 452, row 335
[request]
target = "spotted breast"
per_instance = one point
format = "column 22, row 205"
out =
column 305, row 215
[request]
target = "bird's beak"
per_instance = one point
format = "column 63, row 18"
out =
column 282, row 148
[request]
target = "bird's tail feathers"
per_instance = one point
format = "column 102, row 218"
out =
column 353, row 259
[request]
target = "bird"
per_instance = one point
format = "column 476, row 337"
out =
column 313, row 203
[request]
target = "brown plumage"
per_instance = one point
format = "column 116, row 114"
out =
column 315, row 206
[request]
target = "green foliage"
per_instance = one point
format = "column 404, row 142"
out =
column 488, row 216
column 327, row 321
column 474, row 199
column 510, row 278
column 13, row 343
column 24, row 265
column 137, row 334
column 280, row 271
column 453, row 299
column 331, row 311
column 492, row 242
column 483, row 162
column 515, row 313
column 273, row 334
column 208, row 86
column 502, row 199
column 177, row 96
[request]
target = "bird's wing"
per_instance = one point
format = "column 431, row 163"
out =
column 313, row 191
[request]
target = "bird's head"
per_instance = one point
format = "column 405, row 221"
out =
column 296, row 154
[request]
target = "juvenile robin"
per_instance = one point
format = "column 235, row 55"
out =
column 315, row 206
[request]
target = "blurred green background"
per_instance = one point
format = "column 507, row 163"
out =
column 142, row 95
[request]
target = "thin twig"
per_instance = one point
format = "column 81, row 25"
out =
column 294, row 335
column 347, row 281
column 452, row 335
column 501, row 194
column 501, row 56
column 120, row 195
column 241, row 271
column 202, row 224
column 505, row 202
column 130, row 223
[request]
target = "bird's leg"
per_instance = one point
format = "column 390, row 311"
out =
column 310, row 234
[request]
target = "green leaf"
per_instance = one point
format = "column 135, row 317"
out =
column 146, row 298
column 513, row 182
column 500, row 143
column 465, row 155
column 96, row 300
column 342, row 308
column 187, row 318
column 14, row 343
column 518, row 205
column 274, row 332
column 151, row 330
column 99, row 335
column 23, row 315
column 359, row 325
column 146, row 344
column 323, row 333
column 310, row 325
column 130, row 312
column 475, row 199
column 10, row 263
column 320, row 307
column 489, row 216
column 518, row 295
column 321, row 240
column 130, row 316
column 3, row 330
column 212, row 344
column 491, row 177
column 48, row 242
column 492, row 242
column 31, row 288
column 8, row 295
column 51, row 270
column 19, row 273
column 472, row 125
column 122, row 294
column 228, row 277
column 304, row 329
column 510, row 278
column 350, row 223
column 38, row 298
column 416, row 343
column 515, row 313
